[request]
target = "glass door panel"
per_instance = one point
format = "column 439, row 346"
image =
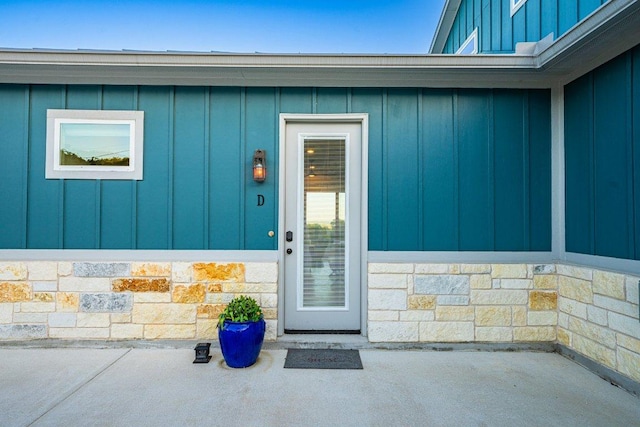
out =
column 324, row 283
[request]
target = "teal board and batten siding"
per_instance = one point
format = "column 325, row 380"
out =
column 498, row 31
column 449, row 170
column 602, row 155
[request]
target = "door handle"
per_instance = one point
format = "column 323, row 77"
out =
column 289, row 236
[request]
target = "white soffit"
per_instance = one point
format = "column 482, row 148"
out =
column 607, row 32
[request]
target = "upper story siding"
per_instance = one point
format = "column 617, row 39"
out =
column 499, row 31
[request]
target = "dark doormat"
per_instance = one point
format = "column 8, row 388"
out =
column 322, row 359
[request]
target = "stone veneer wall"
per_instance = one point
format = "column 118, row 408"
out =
column 592, row 312
column 128, row 300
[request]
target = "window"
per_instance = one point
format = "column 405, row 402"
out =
column 94, row 144
column 516, row 5
column 470, row 45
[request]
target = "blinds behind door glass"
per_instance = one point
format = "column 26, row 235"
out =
column 324, row 224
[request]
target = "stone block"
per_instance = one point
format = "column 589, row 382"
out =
column 30, row 318
column 168, row 314
column 269, row 300
column 141, row 285
column 509, row 271
column 79, row 333
column 534, row 333
column 480, row 281
column 574, row 272
column 594, row 351
column 383, row 299
column 127, row 331
column 617, row 306
column 15, row 292
column 454, row 314
column 575, row 289
column 153, row 332
column 609, row 284
column 43, row 296
column 213, row 272
column 387, row 281
column 564, row 337
column 545, row 282
column 421, row 302
column 596, row 333
column 181, row 272
column 544, row 269
column 189, row 294
column 632, row 285
column 431, row 269
column 516, row 284
column 543, row 300
column 93, row 320
column 37, row 307
column 145, row 297
column 499, row 297
column 151, row 269
column 442, row 285
column 120, row 317
column 67, row 301
column 475, row 268
column 209, row 311
column 6, row 313
column 629, row 364
column 261, row 272
column 573, row 308
column 101, row 269
column 207, row 329
column 597, row 315
column 374, row 268
column 22, row 332
column 493, row 316
column 452, row 300
column 13, row 271
column 62, row 320
column 626, row 325
column 629, row 343
column 518, row 316
column 382, row 316
column 43, row 270
column 447, row 331
column 44, row 286
column 393, row 331
column 106, row 303
column 84, row 284
column 542, row 318
column 494, row 334
column 417, row 316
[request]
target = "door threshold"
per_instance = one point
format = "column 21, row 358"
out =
column 319, row 341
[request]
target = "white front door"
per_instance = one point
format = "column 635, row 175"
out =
column 322, row 226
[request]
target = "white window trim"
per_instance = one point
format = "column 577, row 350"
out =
column 516, row 5
column 57, row 118
column 473, row 37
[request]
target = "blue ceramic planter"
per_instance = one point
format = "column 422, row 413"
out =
column 241, row 342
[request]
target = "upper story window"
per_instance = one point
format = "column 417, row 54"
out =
column 470, row 45
column 515, row 5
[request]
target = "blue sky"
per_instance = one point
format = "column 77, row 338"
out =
column 269, row 26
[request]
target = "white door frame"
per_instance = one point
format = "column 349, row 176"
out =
column 363, row 120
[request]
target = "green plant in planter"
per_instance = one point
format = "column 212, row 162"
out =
column 241, row 309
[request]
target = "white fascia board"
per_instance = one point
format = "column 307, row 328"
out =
column 445, row 23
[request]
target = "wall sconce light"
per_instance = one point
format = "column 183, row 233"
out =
column 259, row 165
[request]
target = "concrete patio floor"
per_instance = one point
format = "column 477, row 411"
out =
column 162, row 387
